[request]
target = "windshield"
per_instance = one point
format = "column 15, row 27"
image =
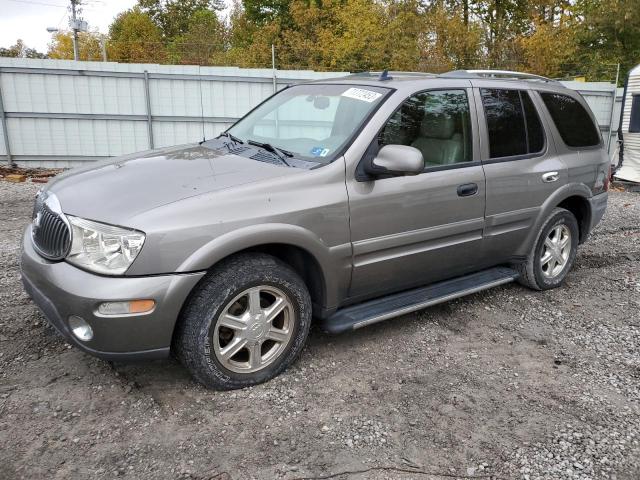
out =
column 311, row 121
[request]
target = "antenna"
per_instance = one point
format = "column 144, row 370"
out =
column 384, row 76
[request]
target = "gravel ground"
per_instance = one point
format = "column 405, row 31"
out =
column 507, row 383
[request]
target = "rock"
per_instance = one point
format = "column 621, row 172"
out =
column 15, row 178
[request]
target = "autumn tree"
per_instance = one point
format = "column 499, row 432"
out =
column 447, row 42
column 549, row 49
column 133, row 37
column 549, row 37
column 89, row 46
column 250, row 43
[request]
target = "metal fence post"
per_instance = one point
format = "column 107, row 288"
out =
column 5, row 130
column 148, row 99
column 613, row 107
column 273, row 68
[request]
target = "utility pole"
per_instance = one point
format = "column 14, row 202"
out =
column 103, row 46
column 74, row 28
column 613, row 106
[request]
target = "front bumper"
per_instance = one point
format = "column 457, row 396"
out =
column 61, row 290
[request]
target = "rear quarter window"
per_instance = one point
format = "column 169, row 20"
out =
column 572, row 120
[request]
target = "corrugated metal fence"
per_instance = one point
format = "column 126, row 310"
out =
column 59, row 113
column 599, row 96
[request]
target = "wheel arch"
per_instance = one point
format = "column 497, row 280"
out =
column 322, row 268
column 575, row 198
column 302, row 262
column 581, row 209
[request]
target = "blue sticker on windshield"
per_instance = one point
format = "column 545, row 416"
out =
column 319, row 152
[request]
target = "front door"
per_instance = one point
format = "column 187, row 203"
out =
column 413, row 230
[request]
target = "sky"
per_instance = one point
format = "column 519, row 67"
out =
column 29, row 19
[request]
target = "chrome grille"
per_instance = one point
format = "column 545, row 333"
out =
column 50, row 232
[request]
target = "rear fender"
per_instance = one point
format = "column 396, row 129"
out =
column 561, row 194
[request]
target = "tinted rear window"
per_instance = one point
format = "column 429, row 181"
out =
column 512, row 122
column 572, row 120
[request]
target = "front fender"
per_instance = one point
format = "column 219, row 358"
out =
column 334, row 262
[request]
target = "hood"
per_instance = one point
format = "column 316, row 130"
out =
column 118, row 189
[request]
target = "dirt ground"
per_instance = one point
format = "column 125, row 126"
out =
column 507, row 383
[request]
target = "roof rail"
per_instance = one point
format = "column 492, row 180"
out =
column 378, row 74
column 496, row 74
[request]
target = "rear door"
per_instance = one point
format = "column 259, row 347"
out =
column 521, row 165
column 412, row 230
column 579, row 138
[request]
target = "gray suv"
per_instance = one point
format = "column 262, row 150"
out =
column 350, row 201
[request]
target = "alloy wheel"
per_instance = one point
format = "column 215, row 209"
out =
column 556, row 251
column 254, row 329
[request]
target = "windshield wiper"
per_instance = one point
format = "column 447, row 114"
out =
column 278, row 152
column 230, row 137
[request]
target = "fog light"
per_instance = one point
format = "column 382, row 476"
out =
column 126, row 308
column 81, row 329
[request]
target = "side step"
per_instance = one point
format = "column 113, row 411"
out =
column 379, row 309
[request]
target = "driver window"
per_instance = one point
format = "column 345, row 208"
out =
column 302, row 116
column 435, row 122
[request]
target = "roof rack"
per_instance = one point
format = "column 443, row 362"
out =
column 390, row 73
column 496, row 74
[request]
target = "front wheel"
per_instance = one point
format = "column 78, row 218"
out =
column 553, row 253
column 246, row 323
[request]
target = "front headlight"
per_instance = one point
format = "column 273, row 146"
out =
column 103, row 248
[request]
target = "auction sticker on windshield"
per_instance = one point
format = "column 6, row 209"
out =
column 362, row 94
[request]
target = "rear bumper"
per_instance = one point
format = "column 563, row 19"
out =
column 61, row 290
column 598, row 204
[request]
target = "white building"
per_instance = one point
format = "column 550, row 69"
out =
column 629, row 133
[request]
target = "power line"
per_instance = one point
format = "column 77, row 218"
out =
column 39, row 3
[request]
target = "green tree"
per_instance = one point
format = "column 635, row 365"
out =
column 20, row 50
column 173, row 17
column 204, row 42
column 133, row 37
column 261, row 12
column 608, row 34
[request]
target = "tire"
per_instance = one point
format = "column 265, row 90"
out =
column 222, row 313
column 538, row 276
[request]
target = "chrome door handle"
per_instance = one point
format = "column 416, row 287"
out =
column 550, row 177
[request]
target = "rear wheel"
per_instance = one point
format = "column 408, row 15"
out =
column 246, row 322
column 553, row 253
